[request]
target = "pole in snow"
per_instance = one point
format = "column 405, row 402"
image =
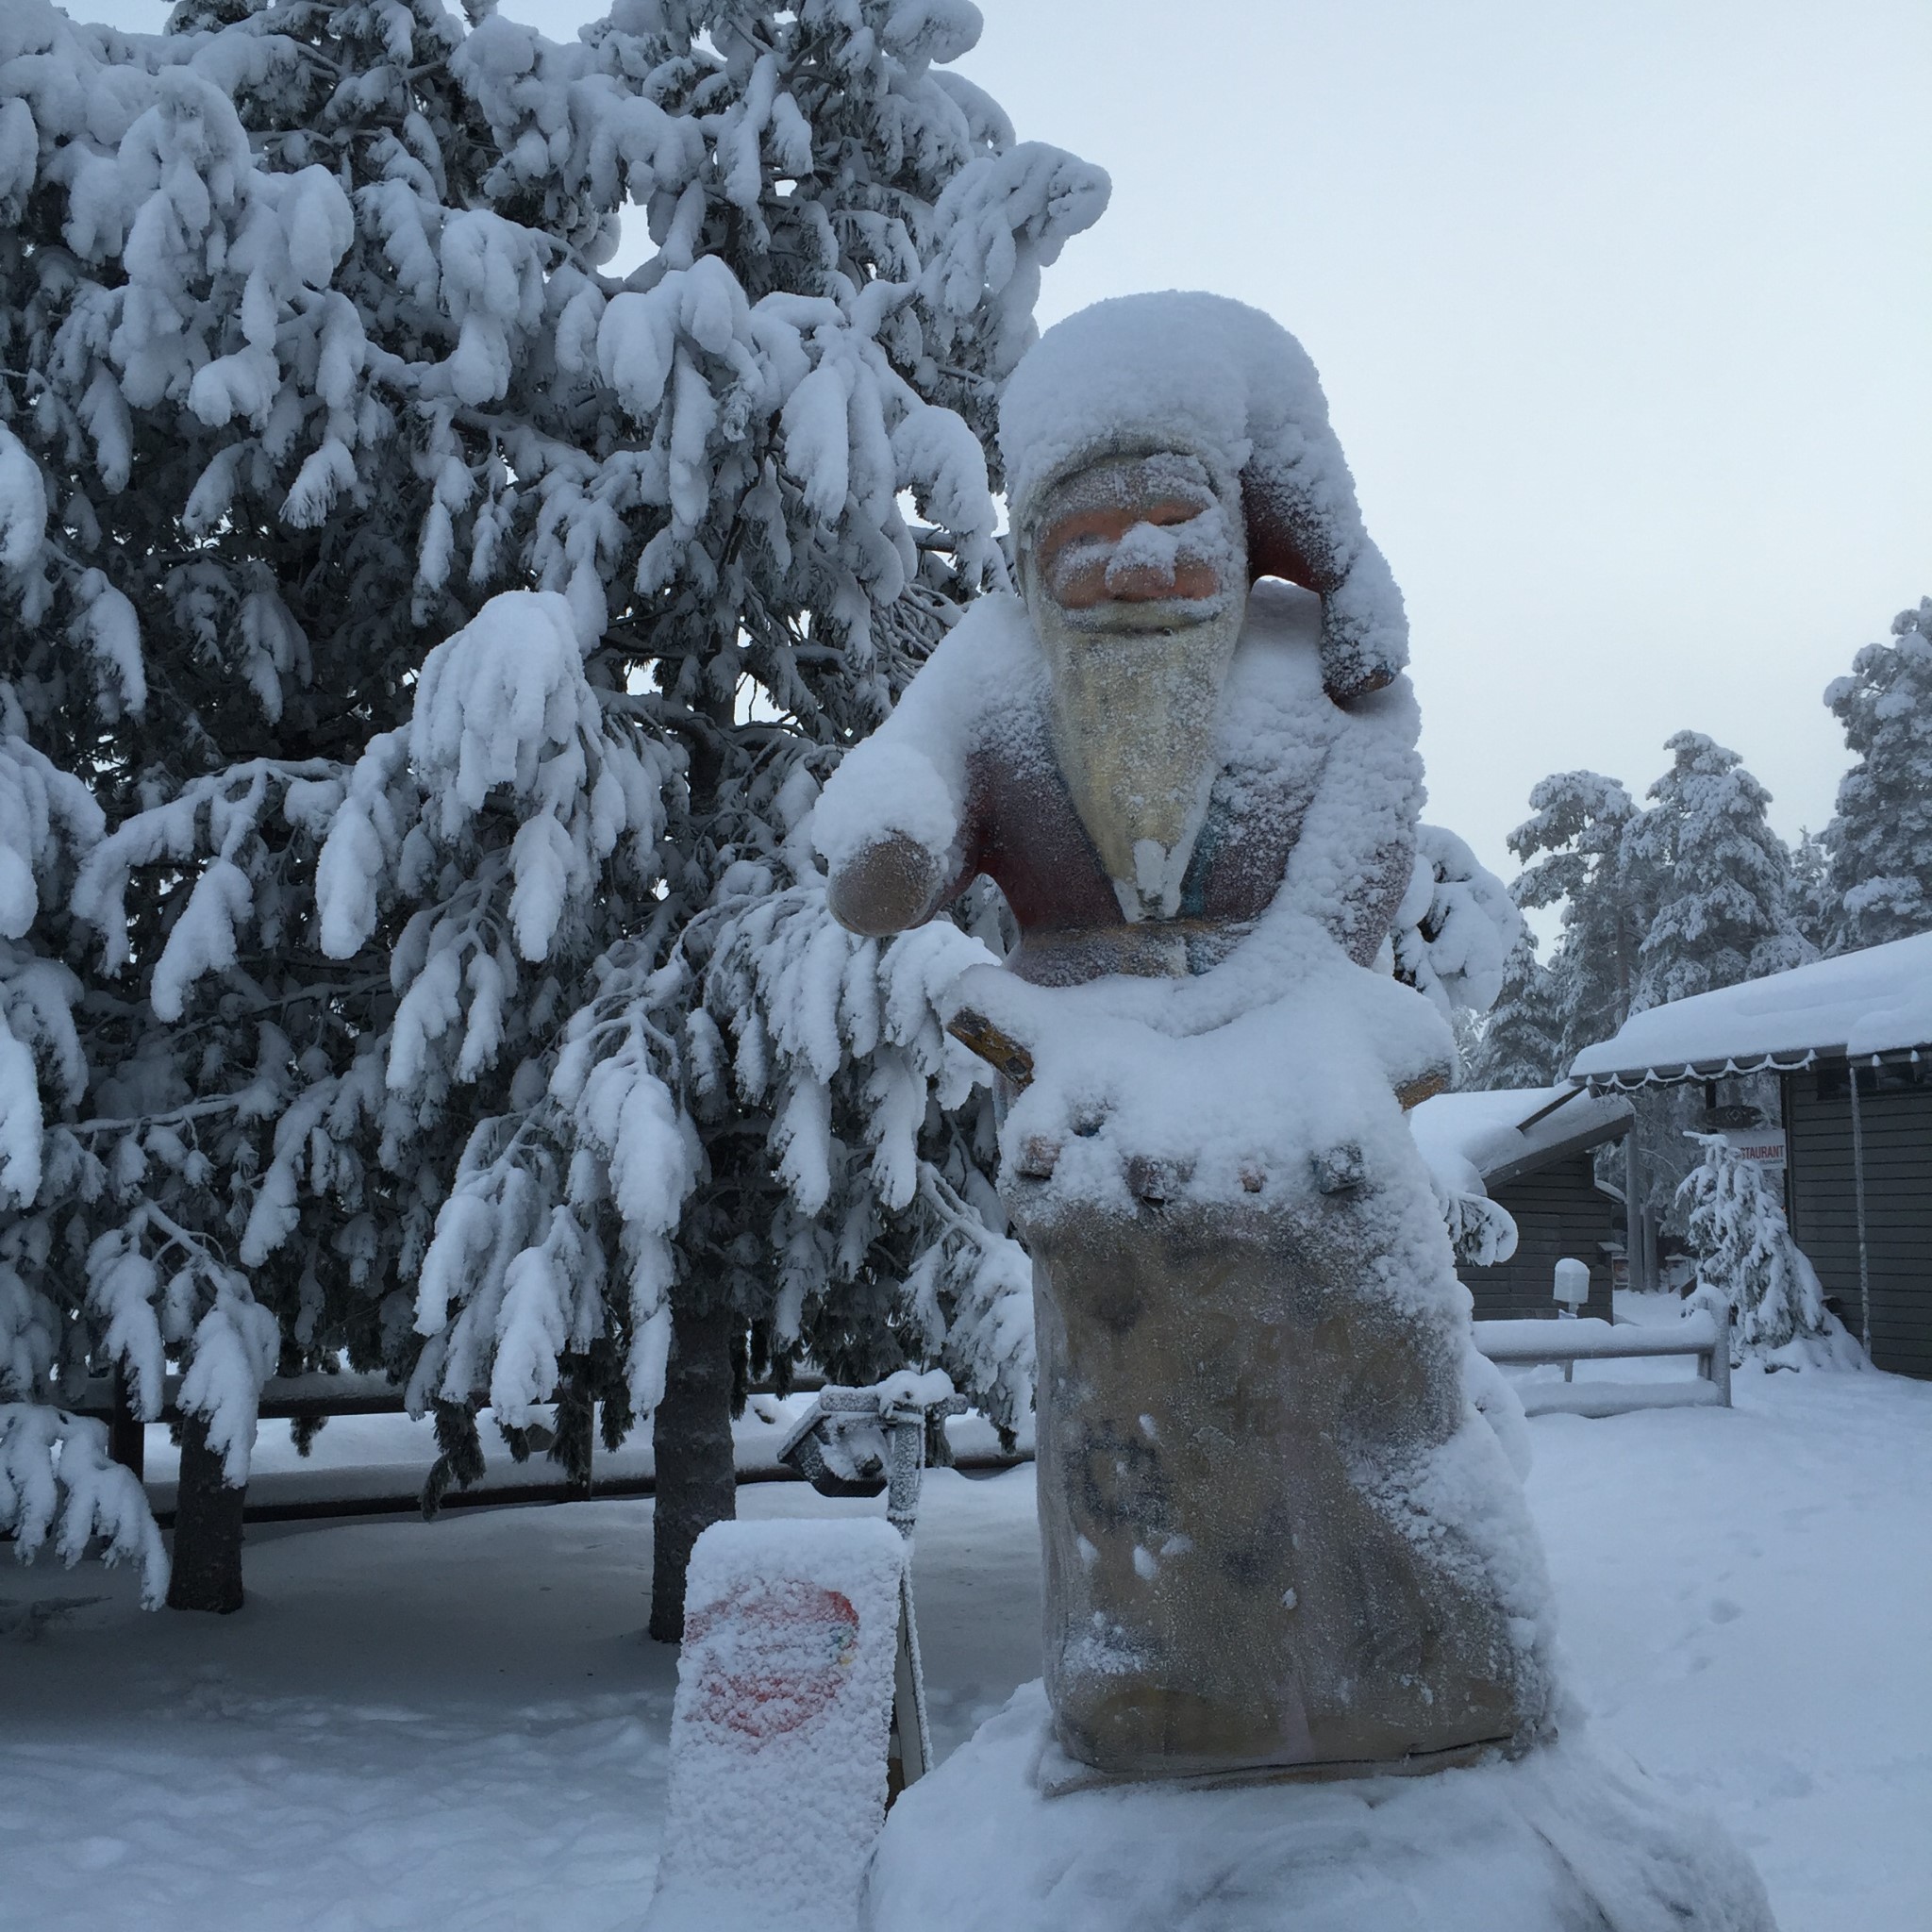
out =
column 1858, row 1197
column 1572, row 1291
column 1636, row 1256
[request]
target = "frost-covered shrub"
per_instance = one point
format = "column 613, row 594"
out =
column 1736, row 1228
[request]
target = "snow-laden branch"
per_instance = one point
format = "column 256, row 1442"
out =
column 56, row 1480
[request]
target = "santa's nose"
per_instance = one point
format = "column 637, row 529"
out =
column 1141, row 580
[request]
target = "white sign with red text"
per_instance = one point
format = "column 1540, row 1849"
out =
column 1765, row 1146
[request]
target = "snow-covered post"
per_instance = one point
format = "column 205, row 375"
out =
column 855, row 1443
column 1637, row 1269
column 1277, row 1532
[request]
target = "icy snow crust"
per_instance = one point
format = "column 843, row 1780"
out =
column 1877, row 1001
column 1555, row 1840
column 420, row 1726
column 779, row 1733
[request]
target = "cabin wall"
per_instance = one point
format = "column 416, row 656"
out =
column 1558, row 1212
column 1895, row 1106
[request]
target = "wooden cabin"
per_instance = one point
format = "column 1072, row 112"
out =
column 1851, row 1040
column 1531, row 1151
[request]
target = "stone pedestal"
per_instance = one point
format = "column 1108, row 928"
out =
column 1277, row 1534
column 1259, row 1479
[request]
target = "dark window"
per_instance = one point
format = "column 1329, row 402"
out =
column 1893, row 1076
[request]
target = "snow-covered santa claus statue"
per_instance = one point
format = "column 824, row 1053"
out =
column 1187, row 755
column 1281, row 1539
column 1134, row 752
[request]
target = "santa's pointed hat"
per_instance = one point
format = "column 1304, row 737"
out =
column 1223, row 382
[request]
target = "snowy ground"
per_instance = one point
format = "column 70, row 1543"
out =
column 459, row 1724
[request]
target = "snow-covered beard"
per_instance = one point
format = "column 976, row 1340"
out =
column 1134, row 713
column 1136, row 691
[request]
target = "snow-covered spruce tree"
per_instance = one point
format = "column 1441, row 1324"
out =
column 1575, row 855
column 734, row 1132
column 1881, row 836
column 1720, row 895
column 255, row 278
column 1814, row 902
column 1717, row 882
column 1736, row 1228
column 156, row 284
column 310, row 355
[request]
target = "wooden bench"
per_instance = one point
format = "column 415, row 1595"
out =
column 1700, row 1333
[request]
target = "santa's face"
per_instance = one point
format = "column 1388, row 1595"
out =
column 1135, row 573
column 1142, row 543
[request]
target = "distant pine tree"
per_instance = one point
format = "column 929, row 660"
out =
column 1814, row 902
column 1719, row 879
column 1574, row 857
column 1694, row 892
column 1521, row 1043
column 1881, row 838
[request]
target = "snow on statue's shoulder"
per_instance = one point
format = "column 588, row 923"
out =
column 778, row 1736
column 910, row 777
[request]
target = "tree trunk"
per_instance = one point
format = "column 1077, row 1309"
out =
column 697, row 1482
column 207, row 1574
column 127, row 1432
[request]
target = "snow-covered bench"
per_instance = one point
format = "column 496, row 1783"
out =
column 1700, row 1333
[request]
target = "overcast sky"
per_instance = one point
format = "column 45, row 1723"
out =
column 1623, row 310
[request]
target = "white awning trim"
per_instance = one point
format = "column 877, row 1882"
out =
column 1873, row 1006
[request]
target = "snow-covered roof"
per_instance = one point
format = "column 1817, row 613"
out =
column 1858, row 1004
column 1475, row 1142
